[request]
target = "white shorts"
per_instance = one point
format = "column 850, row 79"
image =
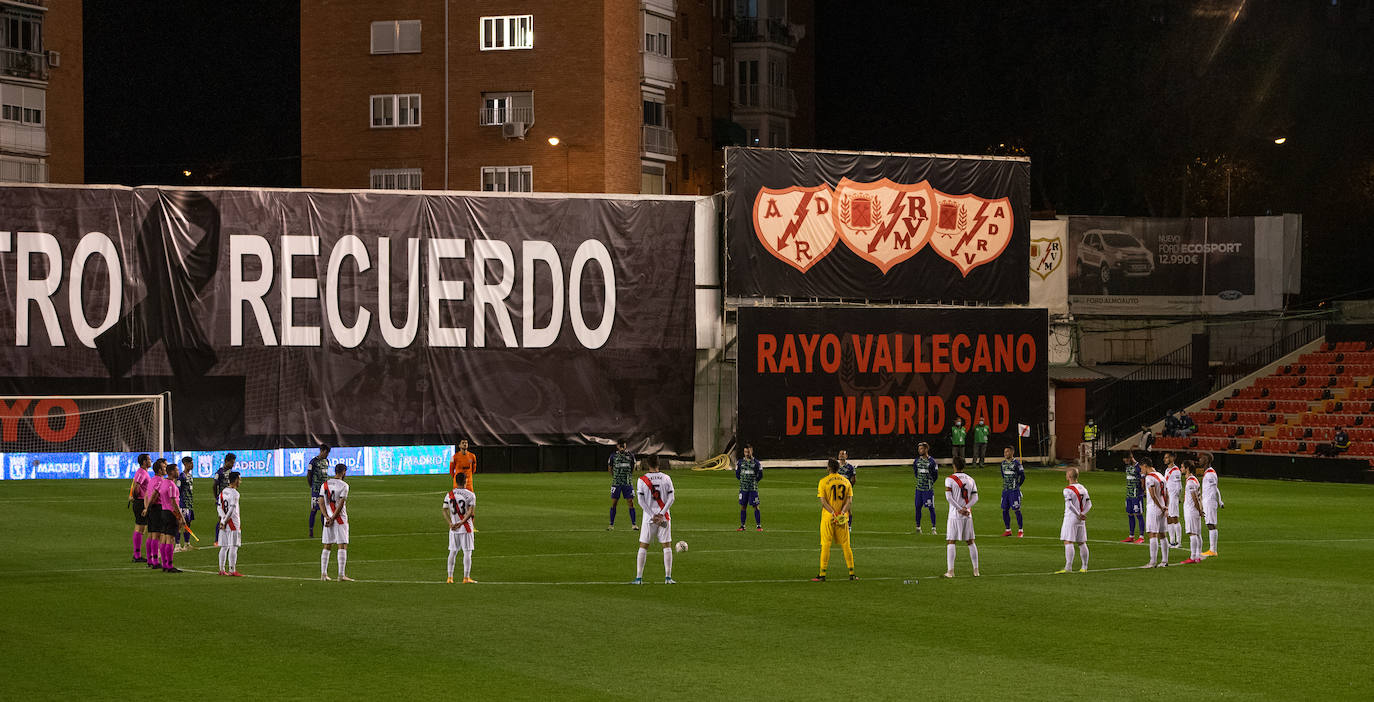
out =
column 1209, row 511
column 1173, row 505
column 648, row 532
column 959, row 528
column 1154, row 521
column 1192, row 521
column 1074, row 530
column 336, row 534
column 230, row 538
column 460, row 540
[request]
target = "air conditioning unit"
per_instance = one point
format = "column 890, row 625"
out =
column 54, row 59
column 514, row 130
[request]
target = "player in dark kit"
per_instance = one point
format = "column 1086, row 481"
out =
column 621, row 465
column 1013, row 477
column 316, row 476
column 748, row 471
column 186, row 485
column 1135, row 492
column 927, row 473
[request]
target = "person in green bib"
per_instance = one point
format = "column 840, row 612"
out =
column 957, row 434
column 980, row 442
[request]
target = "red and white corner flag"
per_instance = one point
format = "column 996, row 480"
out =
column 1022, row 429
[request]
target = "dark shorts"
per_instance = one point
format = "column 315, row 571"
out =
column 625, row 491
column 748, row 497
column 139, row 519
column 155, row 520
column 1133, row 505
column 169, row 523
column 925, row 499
column 1011, row 499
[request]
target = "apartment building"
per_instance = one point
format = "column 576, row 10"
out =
column 628, row 96
column 41, row 118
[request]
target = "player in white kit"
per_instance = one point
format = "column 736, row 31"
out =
column 1156, row 506
column 654, row 491
column 230, row 527
column 1074, row 531
column 962, row 494
column 1211, row 502
column 1192, row 512
column 460, row 509
column 334, row 504
column 1173, row 484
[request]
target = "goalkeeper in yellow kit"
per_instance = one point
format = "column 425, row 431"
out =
column 835, row 494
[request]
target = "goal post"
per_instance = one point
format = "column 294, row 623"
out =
column 85, row 423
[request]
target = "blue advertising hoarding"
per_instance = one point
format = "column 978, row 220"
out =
column 291, row 462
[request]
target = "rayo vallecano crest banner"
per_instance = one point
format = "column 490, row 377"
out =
column 825, row 224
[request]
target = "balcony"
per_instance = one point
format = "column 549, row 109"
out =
column 658, row 141
column 496, row 116
column 751, row 30
column 18, row 63
column 23, row 138
column 659, row 70
column 776, row 99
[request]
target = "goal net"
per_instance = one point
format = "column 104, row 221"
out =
column 82, row 423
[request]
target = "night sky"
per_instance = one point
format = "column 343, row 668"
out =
column 1127, row 108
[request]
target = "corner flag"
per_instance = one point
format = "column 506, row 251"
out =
column 1022, row 429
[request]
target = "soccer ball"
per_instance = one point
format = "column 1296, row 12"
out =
column 680, row 546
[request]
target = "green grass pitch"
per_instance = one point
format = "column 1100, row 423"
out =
column 1283, row 613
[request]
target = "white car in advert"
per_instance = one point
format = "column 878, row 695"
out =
column 1106, row 255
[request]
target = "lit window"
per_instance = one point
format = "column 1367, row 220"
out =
column 507, row 32
column 500, row 108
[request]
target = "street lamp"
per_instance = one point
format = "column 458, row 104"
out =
column 567, row 161
column 1281, row 141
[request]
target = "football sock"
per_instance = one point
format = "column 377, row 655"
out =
column 467, row 563
column 639, row 562
column 343, row 560
column 1019, row 524
column 932, row 517
column 612, row 515
column 1153, row 550
column 949, row 557
column 973, row 555
column 234, row 559
column 742, row 513
column 1006, row 519
column 1068, row 556
column 668, row 562
column 324, row 562
column 313, row 511
column 216, row 533
column 758, row 519
column 151, row 549
column 138, row 544
column 633, row 518
column 1083, row 553
column 167, row 552
column 825, row 557
column 848, row 557
column 1212, row 540
column 452, row 557
column 223, row 558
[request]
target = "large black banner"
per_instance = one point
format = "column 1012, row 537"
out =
column 280, row 318
column 875, row 381
column 822, row 224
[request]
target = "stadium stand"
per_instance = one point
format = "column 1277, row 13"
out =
column 1295, row 408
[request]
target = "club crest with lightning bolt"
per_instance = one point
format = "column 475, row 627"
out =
column 794, row 224
column 883, row 222
column 970, row 230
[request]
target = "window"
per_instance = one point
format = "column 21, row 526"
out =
column 718, row 70
column 508, row 179
column 746, row 8
column 507, row 32
column 395, row 178
column 653, row 178
column 686, row 161
column 658, row 32
column 395, row 110
column 748, row 83
column 685, row 94
column 777, row 135
column 22, row 104
column 753, row 136
column 22, row 34
column 654, row 114
column 396, row 37
column 500, row 108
